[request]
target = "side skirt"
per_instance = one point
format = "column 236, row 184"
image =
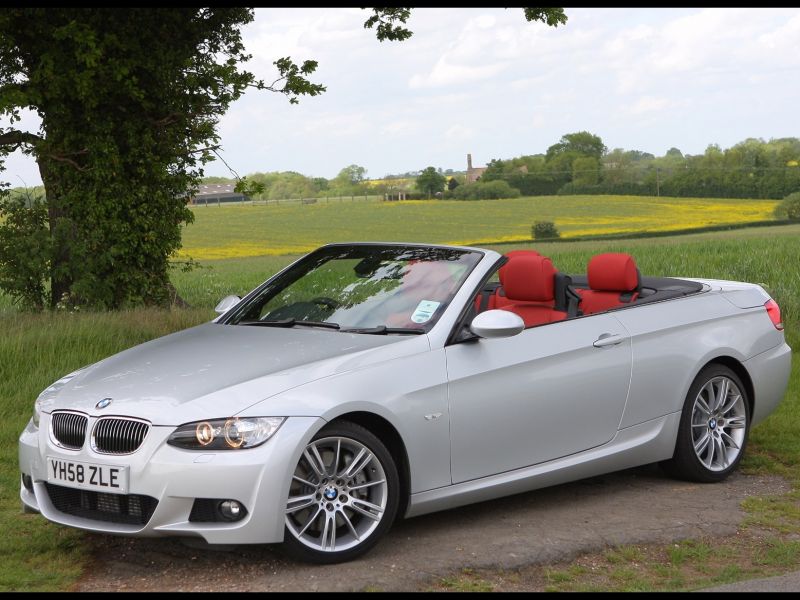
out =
column 641, row 444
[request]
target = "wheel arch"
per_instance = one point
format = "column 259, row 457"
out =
column 741, row 371
column 389, row 435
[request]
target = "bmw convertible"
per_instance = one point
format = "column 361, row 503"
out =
column 371, row 381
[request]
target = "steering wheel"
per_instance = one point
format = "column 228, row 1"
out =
column 325, row 301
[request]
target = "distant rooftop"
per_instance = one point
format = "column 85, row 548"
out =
column 214, row 189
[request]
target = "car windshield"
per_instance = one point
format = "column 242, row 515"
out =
column 362, row 289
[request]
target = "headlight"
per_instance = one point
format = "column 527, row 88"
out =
column 37, row 413
column 225, row 434
column 37, row 409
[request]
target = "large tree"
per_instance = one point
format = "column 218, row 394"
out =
column 129, row 101
column 430, row 181
column 581, row 143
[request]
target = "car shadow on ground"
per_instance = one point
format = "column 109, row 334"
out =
column 640, row 505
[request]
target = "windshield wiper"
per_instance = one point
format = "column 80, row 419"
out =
column 291, row 323
column 383, row 330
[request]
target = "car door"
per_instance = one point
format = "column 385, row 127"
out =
column 550, row 391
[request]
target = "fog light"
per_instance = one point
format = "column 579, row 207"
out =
column 27, row 482
column 231, row 510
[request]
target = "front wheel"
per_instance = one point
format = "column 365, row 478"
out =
column 343, row 495
column 713, row 429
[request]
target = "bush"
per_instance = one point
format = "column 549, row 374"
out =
column 491, row 190
column 542, row 230
column 789, row 208
column 25, row 251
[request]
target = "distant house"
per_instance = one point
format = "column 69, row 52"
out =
column 473, row 173
column 216, row 193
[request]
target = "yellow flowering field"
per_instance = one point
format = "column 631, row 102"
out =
column 234, row 231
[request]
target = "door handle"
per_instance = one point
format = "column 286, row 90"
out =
column 609, row 339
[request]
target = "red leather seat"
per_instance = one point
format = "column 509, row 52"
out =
column 498, row 299
column 529, row 284
column 613, row 281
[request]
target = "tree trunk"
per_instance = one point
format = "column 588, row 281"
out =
column 175, row 298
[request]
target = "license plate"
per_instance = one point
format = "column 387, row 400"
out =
column 87, row 476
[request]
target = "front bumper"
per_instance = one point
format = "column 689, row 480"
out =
column 259, row 478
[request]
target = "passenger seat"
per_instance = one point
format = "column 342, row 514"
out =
column 614, row 281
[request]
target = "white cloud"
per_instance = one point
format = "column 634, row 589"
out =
column 444, row 74
column 649, row 104
column 459, row 133
column 400, row 128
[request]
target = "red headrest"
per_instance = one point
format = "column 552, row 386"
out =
column 529, row 278
column 502, row 271
column 613, row 272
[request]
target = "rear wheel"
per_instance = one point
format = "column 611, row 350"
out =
column 714, row 426
column 343, row 496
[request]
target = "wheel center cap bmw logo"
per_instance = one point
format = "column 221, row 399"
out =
column 712, row 424
column 103, row 403
column 330, row 493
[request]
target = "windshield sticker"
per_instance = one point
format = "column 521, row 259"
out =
column 424, row 311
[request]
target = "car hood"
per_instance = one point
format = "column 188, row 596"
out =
column 215, row 370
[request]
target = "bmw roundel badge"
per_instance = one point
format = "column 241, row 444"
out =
column 103, row 403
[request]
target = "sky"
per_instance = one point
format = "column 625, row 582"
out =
column 487, row 82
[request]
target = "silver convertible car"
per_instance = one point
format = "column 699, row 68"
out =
column 370, row 381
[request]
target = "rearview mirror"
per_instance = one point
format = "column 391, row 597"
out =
column 497, row 324
column 227, row 303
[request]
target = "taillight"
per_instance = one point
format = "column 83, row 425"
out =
column 774, row 312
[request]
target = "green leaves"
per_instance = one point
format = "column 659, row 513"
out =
column 430, row 181
column 25, row 249
column 386, row 19
column 551, row 16
column 294, row 78
column 249, row 188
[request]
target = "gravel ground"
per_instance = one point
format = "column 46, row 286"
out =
column 630, row 507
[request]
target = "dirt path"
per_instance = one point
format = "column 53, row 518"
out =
column 635, row 506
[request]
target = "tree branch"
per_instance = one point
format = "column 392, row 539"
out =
column 14, row 138
column 206, row 149
column 69, row 161
column 168, row 120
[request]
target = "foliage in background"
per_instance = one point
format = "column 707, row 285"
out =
column 580, row 164
column 484, row 190
column 25, row 250
column 542, row 230
column 431, row 181
column 789, row 208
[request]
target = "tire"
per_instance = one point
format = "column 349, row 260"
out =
column 711, row 437
column 336, row 515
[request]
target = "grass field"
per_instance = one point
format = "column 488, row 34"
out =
column 245, row 230
column 37, row 349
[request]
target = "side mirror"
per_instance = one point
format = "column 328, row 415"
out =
column 497, row 324
column 227, row 303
